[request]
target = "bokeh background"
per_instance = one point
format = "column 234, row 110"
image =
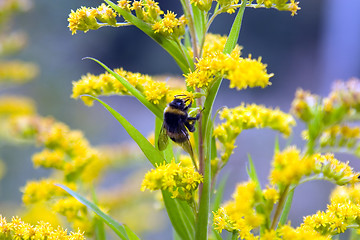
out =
column 310, row 50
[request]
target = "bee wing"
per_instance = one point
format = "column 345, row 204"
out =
column 163, row 138
column 186, row 145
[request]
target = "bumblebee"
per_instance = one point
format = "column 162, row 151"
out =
column 177, row 123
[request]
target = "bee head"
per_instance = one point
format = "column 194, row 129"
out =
column 178, row 103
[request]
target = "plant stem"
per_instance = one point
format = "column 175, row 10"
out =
column 190, row 18
column 279, row 207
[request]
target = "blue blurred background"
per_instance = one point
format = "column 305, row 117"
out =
column 309, row 50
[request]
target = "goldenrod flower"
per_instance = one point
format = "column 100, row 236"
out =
column 301, row 233
column 216, row 43
column 43, row 190
column 242, row 72
column 281, row 5
column 204, row 5
column 65, row 149
column 289, row 167
column 239, row 214
column 106, row 84
column 11, row 105
column 271, row 194
column 246, row 117
column 180, row 181
column 70, row 207
column 17, row 229
column 334, row 170
column 170, row 26
column 85, row 19
column 17, row 72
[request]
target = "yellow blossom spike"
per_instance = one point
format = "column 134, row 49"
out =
column 36, row 191
column 11, row 105
column 180, row 181
column 17, row 229
column 239, row 214
column 17, row 72
column 241, row 72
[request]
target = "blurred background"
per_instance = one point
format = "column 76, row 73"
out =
column 309, row 51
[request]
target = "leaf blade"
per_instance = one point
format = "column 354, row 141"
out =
column 113, row 224
column 151, row 153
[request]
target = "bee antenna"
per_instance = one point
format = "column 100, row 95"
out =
column 180, row 95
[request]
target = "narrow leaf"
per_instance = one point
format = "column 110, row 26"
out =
column 252, row 173
column 177, row 217
column 151, row 153
column 169, row 45
column 199, row 22
column 113, row 224
column 235, row 30
column 152, row 107
column 220, row 193
column 276, row 145
column 131, row 234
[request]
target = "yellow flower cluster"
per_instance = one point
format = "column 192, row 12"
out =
column 281, row 5
column 179, row 180
column 85, row 19
column 239, row 214
column 37, row 191
column 17, row 72
column 289, row 233
column 241, row 72
column 216, row 43
column 106, row 84
column 336, row 219
column 334, row 170
column 204, row 5
column 343, row 102
column 289, row 167
column 11, row 105
column 75, row 212
column 170, row 26
column 247, row 117
column 146, row 10
column 341, row 136
column 345, row 95
column 19, row 230
column 65, row 149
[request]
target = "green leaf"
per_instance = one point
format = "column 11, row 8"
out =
column 182, row 223
column 99, row 229
column 252, row 174
column 151, row 153
column 152, row 107
column 287, row 207
column 235, row 30
column 120, row 230
column 220, row 193
column 199, row 22
column 169, row 45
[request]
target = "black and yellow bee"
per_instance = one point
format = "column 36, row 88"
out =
column 177, row 123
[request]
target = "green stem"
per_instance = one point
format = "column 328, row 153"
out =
column 234, row 235
column 188, row 13
column 279, row 207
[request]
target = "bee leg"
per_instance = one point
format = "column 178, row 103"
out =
column 187, row 107
column 194, row 118
column 190, row 126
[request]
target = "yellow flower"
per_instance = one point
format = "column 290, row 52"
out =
column 17, row 72
column 106, row 84
column 17, row 229
column 43, row 190
column 271, row 194
column 249, row 73
column 246, row 117
column 239, row 214
column 12, row 105
column 289, row 167
column 83, row 19
column 179, row 180
column 242, row 72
